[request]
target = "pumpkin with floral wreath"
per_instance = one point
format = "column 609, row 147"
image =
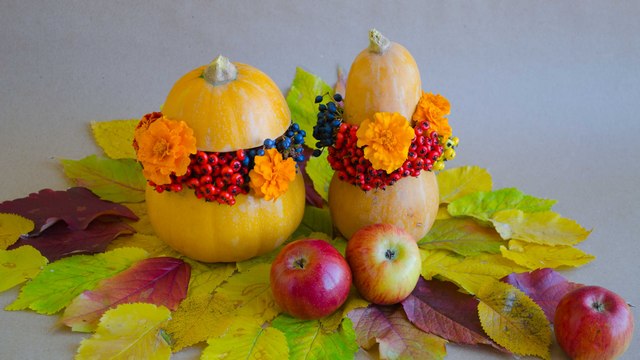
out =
column 221, row 163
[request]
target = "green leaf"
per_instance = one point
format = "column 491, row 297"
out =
column 463, row 236
column 11, row 227
column 115, row 137
column 546, row 227
column 314, row 220
column 458, row 182
column 301, row 98
column 536, row 256
column 320, row 173
column 19, row 265
column 61, row 281
column 307, row 339
column 114, row 180
column 483, row 204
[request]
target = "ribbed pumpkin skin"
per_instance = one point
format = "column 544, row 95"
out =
column 411, row 204
column 388, row 82
column 237, row 115
column 212, row 232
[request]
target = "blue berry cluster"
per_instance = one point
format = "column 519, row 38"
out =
column 290, row 144
column 329, row 120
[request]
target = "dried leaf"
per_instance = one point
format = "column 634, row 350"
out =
column 77, row 207
column 115, row 137
column 11, row 227
column 546, row 227
column 482, row 205
column 463, row 236
column 460, row 181
column 308, row 339
column 59, row 241
column 545, row 287
column 113, row 180
column 130, row 331
column 341, row 84
column 534, row 256
column 19, row 265
column 513, row 320
column 59, row 282
column 439, row 308
column 246, row 338
column 396, row 336
column 162, row 281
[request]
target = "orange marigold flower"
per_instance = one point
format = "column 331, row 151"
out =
column 164, row 147
column 386, row 140
column 434, row 109
column 144, row 123
column 271, row 174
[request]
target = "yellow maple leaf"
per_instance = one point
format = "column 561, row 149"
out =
column 513, row 320
column 115, row 137
column 544, row 227
column 19, row 265
column 130, row 331
column 535, row 256
column 246, row 338
column 11, row 227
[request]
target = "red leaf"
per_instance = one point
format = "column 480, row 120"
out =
column 545, row 286
column 160, row 281
column 77, row 207
column 60, row 241
column 396, row 336
column 437, row 307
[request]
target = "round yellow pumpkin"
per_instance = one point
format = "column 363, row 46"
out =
column 229, row 106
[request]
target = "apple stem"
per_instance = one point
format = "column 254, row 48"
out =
column 390, row 254
column 300, row 263
column 598, row 306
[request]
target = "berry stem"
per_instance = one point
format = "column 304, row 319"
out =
column 220, row 71
column 378, row 43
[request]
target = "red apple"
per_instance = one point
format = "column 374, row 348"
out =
column 385, row 263
column 310, row 279
column 592, row 322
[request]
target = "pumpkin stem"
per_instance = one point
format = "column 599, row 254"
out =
column 220, row 71
column 378, row 43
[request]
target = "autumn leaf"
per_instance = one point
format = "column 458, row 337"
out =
column 150, row 243
column 130, row 331
column 483, row 204
column 113, row 180
column 115, row 137
column 11, row 227
column 439, row 308
column 546, row 227
column 61, row 281
column 314, row 220
column 162, row 281
column 59, row 241
column 513, row 320
column 320, row 173
column 308, row 339
column 312, row 197
column 301, row 98
column 246, row 338
column 354, row 301
column 396, row 336
column 535, row 256
column 19, row 265
column 460, row 181
column 77, row 207
column 545, row 287
column 205, row 278
column 463, row 236
column 142, row 225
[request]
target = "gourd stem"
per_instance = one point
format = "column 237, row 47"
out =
column 220, row 71
column 378, row 43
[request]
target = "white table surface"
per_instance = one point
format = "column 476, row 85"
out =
column 545, row 95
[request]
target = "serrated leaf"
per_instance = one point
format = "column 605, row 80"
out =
column 320, row 173
column 113, row 180
column 535, row 256
column 130, row 331
column 246, row 338
column 396, row 336
column 301, row 98
column 513, row 320
column 59, row 282
column 483, row 204
column 460, row 181
column 150, row 243
column 11, row 227
column 205, row 278
column 162, row 281
column 314, row 220
column 545, row 287
column 115, row 137
column 463, row 236
column 19, row 265
column 308, row 339
column 546, row 227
